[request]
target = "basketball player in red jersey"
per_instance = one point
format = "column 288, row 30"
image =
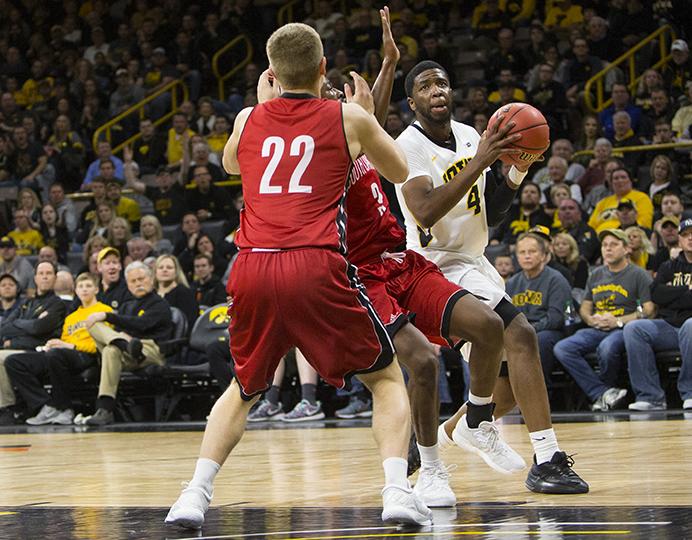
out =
column 291, row 285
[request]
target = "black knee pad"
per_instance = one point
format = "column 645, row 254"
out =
column 507, row 311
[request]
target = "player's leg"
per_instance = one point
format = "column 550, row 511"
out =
column 259, row 342
column 420, row 359
column 475, row 322
column 308, row 408
column 347, row 312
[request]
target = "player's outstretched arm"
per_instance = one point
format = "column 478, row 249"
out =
column 382, row 89
column 230, row 151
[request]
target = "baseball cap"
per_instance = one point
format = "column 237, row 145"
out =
column 121, row 71
column 162, row 169
column 542, row 231
column 625, row 203
column 105, row 252
column 617, row 233
column 679, row 45
column 685, row 225
column 7, row 274
column 670, row 219
column 7, row 241
column 159, row 50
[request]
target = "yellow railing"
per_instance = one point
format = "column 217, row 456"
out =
column 139, row 108
column 223, row 77
column 638, row 148
column 596, row 84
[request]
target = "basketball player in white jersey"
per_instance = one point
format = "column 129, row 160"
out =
column 448, row 201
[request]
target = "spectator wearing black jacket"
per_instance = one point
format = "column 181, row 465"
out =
column 571, row 222
column 526, row 215
column 36, row 321
column 208, row 289
column 171, row 284
column 207, row 200
column 132, row 340
column 672, row 292
column 113, row 291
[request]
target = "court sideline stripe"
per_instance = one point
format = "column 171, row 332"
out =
column 441, row 526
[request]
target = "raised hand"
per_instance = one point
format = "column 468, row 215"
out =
column 361, row 95
column 390, row 50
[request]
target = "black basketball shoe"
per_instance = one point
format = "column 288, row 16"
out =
column 555, row 476
column 413, row 456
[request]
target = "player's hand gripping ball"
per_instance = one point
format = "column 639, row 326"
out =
column 535, row 134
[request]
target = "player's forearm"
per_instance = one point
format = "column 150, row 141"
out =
column 439, row 201
column 382, row 89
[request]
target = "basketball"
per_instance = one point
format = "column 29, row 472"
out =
column 535, row 134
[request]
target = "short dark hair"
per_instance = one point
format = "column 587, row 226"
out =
column 205, row 257
column 629, row 174
column 52, row 264
column 416, row 70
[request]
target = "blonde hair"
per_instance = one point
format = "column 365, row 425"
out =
column 295, row 52
column 180, row 278
column 646, row 243
column 158, row 235
column 667, row 161
column 573, row 256
column 112, row 224
column 98, row 224
column 86, row 276
column 36, row 201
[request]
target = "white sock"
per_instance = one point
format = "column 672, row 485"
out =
column 429, row 455
column 205, row 472
column 478, row 400
column 544, row 444
column 395, row 472
column 443, row 440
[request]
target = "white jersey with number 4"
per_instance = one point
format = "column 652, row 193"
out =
column 462, row 234
column 455, row 243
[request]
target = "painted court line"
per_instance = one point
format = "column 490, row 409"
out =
column 444, row 529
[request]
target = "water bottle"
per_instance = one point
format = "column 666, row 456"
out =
column 570, row 319
column 640, row 310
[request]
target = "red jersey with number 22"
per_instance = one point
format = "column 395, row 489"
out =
column 372, row 228
column 294, row 162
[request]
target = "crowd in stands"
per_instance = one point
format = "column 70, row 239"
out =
column 74, row 216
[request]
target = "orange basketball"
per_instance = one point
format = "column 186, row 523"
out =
column 535, row 134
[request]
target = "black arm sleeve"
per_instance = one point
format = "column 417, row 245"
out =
column 498, row 199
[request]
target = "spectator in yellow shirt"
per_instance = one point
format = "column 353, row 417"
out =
column 563, row 14
column 28, row 240
column 220, row 132
column 74, row 352
column 178, row 135
column 124, row 206
column 604, row 215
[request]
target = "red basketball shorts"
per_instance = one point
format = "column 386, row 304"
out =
column 305, row 298
column 407, row 285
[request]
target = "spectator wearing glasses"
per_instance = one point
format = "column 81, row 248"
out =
column 672, row 292
column 131, row 342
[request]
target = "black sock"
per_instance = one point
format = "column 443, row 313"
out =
column 308, row 391
column 272, row 395
column 106, row 402
column 120, row 343
column 475, row 414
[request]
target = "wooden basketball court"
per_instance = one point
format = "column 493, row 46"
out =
column 323, row 481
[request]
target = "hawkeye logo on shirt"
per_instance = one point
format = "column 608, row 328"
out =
column 533, row 298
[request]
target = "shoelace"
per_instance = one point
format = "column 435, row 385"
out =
column 443, row 472
column 489, row 435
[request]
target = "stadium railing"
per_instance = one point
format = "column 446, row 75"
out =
column 596, row 84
